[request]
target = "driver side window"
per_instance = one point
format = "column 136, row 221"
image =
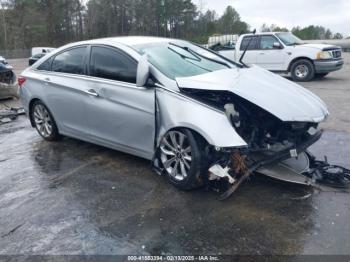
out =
column 267, row 41
column 109, row 63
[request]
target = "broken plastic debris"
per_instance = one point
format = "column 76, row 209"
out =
column 293, row 153
column 5, row 120
column 9, row 114
column 218, row 171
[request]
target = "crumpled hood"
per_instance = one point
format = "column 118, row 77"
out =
column 283, row 98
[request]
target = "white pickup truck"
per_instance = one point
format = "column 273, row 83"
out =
column 285, row 53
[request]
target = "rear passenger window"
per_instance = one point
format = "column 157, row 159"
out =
column 71, row 61
column 253, row 43
column 111, row 64
column 45, row 66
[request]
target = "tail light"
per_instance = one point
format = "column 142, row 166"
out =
column 21, row 80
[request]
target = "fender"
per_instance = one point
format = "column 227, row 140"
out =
column 177, row 110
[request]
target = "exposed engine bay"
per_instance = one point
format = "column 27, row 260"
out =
column 275, row 148
column 262, row 131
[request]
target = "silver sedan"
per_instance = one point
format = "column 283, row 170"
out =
column 192, row 112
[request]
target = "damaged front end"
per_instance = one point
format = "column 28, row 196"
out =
column 270, row 141
column 253, row 122
column 8, row 84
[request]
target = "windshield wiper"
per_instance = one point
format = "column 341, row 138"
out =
column 184, row 56
column 291, row 44
column 198, row 55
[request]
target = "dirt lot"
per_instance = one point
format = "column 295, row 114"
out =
column 73, row 197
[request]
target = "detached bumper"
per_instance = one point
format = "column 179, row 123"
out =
column 7, row 91
column 325, row 66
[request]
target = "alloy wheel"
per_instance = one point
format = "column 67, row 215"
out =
column 42, row 120
column 175, row 155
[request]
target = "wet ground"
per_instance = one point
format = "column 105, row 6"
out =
column 71, row 197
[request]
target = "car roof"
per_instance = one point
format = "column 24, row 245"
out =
column 128, row 40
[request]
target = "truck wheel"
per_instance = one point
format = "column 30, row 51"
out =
column 181, row 159
column 302, row 70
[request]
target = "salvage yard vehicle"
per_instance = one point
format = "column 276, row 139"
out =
column 283, row 52
column 41, row 50
column 8, row 84
column 35, row 58
column 4, row 62
column 184, row 107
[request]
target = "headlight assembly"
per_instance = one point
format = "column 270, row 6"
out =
column 324, row 55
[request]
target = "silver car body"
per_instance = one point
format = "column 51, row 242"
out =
column 133, row 119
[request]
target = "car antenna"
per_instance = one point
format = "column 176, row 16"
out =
column 246, row 48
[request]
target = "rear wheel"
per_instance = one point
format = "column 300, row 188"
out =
column 44, row 122
column 302, row 70
column 181, row 159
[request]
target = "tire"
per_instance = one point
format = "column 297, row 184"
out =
column 182, row 162
column 44, row 122
column 321, row 75
column 302, row 70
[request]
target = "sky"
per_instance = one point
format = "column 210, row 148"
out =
column 333, row 14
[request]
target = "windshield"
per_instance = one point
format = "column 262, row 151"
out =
column 289, row 39
column 182, row 59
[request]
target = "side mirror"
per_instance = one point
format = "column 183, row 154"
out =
column 142, row 74
column 277, row 45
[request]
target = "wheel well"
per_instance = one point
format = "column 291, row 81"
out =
column 297, row 59
column 30, row 110
column 197, row 135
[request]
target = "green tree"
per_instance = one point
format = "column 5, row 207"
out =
column 338, row 36
column 273, row 28
column 230, row 22
column 313, row 32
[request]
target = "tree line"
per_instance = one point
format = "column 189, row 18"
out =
column 28, row 23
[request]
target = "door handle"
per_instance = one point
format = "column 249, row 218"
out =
column 47, row 80
column 261, row 53
column 91, row 92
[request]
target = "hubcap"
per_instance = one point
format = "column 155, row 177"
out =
column 42, row 120
column 176, row 154
column 301, row 71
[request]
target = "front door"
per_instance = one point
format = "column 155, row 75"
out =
column 269, row 56
column 120, row 114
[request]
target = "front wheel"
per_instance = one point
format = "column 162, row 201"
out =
column 181, row 159
column 302, row 70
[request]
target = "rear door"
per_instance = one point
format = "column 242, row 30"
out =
column 65, row 90
column 120, row 114
column 270, row 57
column 250, row 56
